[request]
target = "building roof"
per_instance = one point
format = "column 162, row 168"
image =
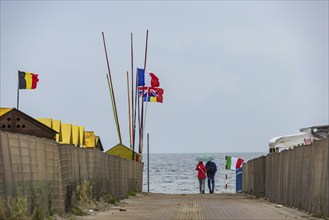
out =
column 54, row 129
column 320, row 131
column 14, row 120
column 5, row 110
column 122, row 146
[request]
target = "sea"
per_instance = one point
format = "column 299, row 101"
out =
column 174, row 173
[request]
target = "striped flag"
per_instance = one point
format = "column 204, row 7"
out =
column 27, row 80
column 233, row 163
column 146, row 78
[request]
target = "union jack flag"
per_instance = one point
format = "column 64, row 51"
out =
column 151, row 94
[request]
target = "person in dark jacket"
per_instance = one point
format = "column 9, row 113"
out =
column 211, row 171
column 201, row 176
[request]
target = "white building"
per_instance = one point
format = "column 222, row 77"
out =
column 305, row 137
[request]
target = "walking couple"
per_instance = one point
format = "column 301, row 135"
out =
column 206, row 171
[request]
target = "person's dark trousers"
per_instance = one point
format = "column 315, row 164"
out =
column 211, row 184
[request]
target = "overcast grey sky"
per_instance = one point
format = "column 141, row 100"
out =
column 235, row 74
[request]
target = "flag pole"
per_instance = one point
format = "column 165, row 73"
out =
column 115, row 112
column 226, row 182
column 133, row 116
column 113, row 107
column 142, row 111
column 148, row 89
column 132, row 75
column 148, row 163
column 18, row 93
column 129, row 119
column 135, row 111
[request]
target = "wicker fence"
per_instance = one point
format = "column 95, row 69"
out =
column 297, row 177
column 41, row 169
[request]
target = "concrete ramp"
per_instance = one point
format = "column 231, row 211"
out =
column 198, row 207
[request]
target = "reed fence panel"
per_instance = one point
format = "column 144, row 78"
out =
column 296, row 177
column 42, row 170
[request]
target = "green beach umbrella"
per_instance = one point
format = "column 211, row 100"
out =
column 204, row 157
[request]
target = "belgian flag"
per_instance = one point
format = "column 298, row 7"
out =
column 27, row 80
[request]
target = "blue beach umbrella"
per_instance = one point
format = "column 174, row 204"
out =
column 204, row 157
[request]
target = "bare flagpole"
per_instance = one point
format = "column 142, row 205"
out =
column 115, row 112
column 148, row 163
column 135, row 111
column 113, row 108
column 142, row 111
column 129, row 119
column 132, row 77
column 18, row 93
column 132, row 96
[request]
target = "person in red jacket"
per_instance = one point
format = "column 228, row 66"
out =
column 201, row 176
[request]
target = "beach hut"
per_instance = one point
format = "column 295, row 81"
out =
column 92, row 141
column 73, row 134
column 99, row 144
column 81, row 135
column 66, row 132
column 124, row 152
column 57, row 126
column 13, row 120
column 53, row 124
column 76, row 135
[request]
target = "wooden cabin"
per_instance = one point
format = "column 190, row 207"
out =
column 13, row 120
column 124, row 152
